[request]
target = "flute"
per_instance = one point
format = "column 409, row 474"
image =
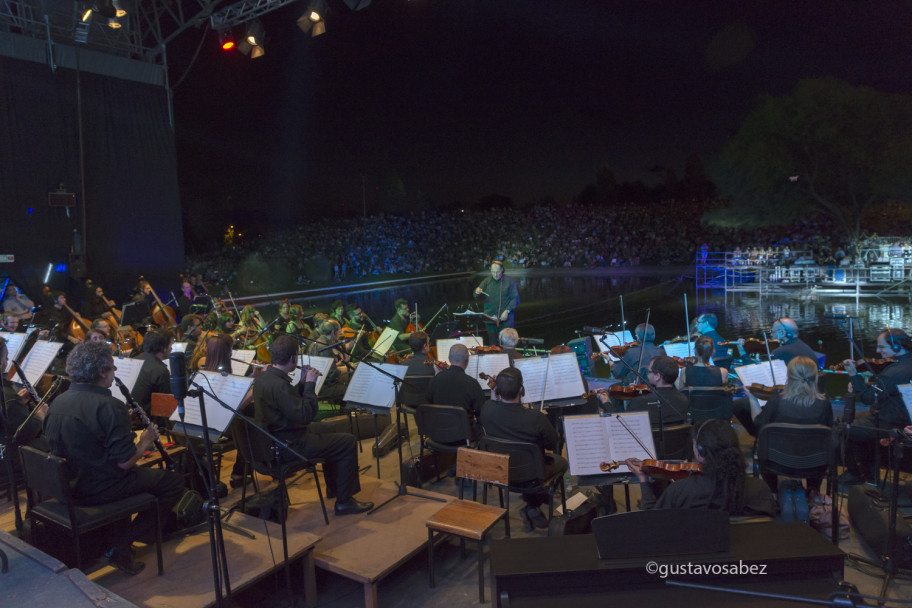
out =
column 166, row 457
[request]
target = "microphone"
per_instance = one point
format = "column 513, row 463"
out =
column 178, row 380
column 591, row 331
column 332, row 346
column 533, row 341
column 264, row 330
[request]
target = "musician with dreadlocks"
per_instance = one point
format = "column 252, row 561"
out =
column 724, row 485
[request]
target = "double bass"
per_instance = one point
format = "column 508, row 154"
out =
column 162, row 315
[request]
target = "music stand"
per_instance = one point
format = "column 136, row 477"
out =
column 133, row 313
column 443, row 330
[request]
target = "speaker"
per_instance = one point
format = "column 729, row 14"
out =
column 870, row 513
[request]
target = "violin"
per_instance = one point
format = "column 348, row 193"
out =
column 593, row 393
column 761, row 391
column 489, row 379
column 685, row 361
column 441, row 365
column 161, row 314
column 877, row 365
column 484, row 350
column 663, row 469
column 617, row 351
column 414, row 324
column 681, row 339
column 624, row 393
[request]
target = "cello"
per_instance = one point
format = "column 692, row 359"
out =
column 162, row 315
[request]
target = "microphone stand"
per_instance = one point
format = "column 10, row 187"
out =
column 216, row 541
column 279, row 446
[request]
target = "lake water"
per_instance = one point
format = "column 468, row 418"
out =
column 556, row 304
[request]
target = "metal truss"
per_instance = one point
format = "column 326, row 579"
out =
column 244, row 11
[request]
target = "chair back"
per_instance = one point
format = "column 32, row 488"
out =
column 527, row 462
column 709, row 403
column 487, row 467
column 443, row 423
column 678, row 445
column 795, row 450
column 256, row 447
column 45, row 473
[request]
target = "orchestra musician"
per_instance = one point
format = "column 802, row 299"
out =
column 60, row 318
column 10, row 323
column 16, row 303
column 662, row 372
column 185, row 299
column 18, row 406
column 355, row 321
column 452, row 386
column 154, row 376
column 508, row 339
column 501, row 297
column 785, row 330
column 882, row 394
column 624, row 369
column 506, row 418
column 337, row 312
column 701, row 373
column 92, row 430
column 706, row 325
column 400, row 323
column 288, row 411
column 337, row 377
column 799, row 403
column 420, row 370
column 96, row 306
column 724, row 484
column 192, row 326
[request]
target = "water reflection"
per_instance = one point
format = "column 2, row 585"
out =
column 556, row 305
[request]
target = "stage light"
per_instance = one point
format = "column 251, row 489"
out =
column 257, row 51
column 114, row 24
column 255, row 32
column 226, row 40
column 119, row 9
column 314, row 20
column 105, row 8
column 87, row 15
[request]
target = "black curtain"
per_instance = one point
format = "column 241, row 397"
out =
column 128, row 189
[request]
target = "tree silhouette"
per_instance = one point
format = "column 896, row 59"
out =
column 828, row 146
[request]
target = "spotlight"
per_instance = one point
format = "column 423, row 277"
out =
column 257, row 51
column 226, row 40
column 120, row 12
column 114, row 24
column 105, row 8
column 255, row 33
column 314, row 20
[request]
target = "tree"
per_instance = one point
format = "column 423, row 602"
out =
column 828, row 147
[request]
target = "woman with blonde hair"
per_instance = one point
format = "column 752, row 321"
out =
column 799, row 403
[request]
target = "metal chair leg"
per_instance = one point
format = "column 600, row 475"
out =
column 481, row 570
column 431, row 558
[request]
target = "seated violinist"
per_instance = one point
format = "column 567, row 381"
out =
column 453, row 386
column 723, row 484
column 624, row 369
column 421, row 368
column 337, row 312
column 785, row 330
column 508, row 339
column 664, row 397
column 799, row 403
column 706, row 325
column 701, row 373
column 887, row 408
column 337, row 377
column 400, row 323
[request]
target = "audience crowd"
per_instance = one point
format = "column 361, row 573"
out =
column 577, row 236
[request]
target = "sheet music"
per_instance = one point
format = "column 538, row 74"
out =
column 592, row 440
column 128, row 372
column 178, row 347
column 237, row 368
column 370, row 387
column 490, row 364
column 563, row 377
column 385, row 341
column 39, row 359
column 321, row 364
column 679, row 349
column 14, row 344
column 905, row 391
column 445, row 344
column 230, row 389
column 612, row 338
column 760, row 373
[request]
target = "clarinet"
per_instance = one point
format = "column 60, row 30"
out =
column 26, row 383
column 166, row 457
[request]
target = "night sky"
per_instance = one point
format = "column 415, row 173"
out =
column 527, row 99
